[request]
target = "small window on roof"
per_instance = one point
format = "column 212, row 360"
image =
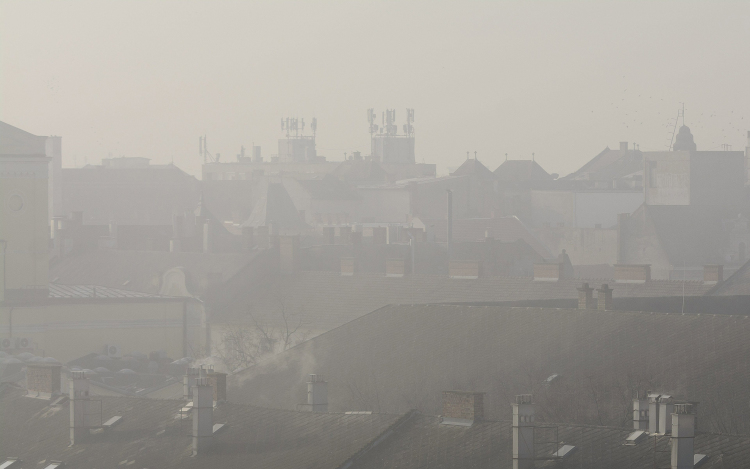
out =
column 55, row 465
column 564, row 451
column 699, row 459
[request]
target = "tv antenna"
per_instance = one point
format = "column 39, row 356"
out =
column 203, row 150
column 680, row 115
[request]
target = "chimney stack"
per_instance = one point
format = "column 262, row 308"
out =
column 666, row 407
column 523, row 432
column 462, row 407
column 640, row 413
column 80, row 407
column 188, row 381
column 203, row 414
column 317, row 394
column 624, row 146
column 713, row 274
column 604, row 298
column 42, row 379
column 683, row 436
column 586, row 297
column 218, row 381
column 653, row 412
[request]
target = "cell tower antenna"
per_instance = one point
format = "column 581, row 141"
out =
column 680, row 114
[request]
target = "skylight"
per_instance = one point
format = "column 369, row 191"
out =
column 564, row 451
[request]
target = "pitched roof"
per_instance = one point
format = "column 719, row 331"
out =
column 609, row 164
column 150, row 435
column 422, row 442
column 403, row 356
column 473, row 167
column 142, row 271
column 737, row 284
column 521, row 171
column 324, row 300
column 17, row 142
column 275, row 207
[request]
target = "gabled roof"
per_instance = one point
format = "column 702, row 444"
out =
column 276, row 208
column 473, row 167
column 521, row 171
column 151, row 435
column 403, row 356
column 609, row 164
column 17, row 142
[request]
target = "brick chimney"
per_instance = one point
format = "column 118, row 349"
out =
column 632, row 273
column 604, row 298
column 218, row 381
column 586, row 297
column 683, row 436
column 465, row 269
column 523, row 432
column 713, row 274
column 203, row 414
column 394, row 267
column 42, row 379
column 462, row 407
column 548, row 272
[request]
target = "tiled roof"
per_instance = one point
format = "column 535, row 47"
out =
column 423, row 442
column 151, row 436
column 141, row 271
column 403, row 357
column 473, row 167
column 326, row 300
column 521, row 171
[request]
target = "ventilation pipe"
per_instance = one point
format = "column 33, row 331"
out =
column 683, row 436
column 203, row 413
column 523, row 432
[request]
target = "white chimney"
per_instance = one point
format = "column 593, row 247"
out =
column 666, row 407
column 683, row 435
column 640, row 414
column 317, row 394
column 203, row 414
column 188, row 381
column 81, row 411
column 653, row 412
column 523, row 432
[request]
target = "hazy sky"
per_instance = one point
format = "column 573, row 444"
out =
column 562, row 80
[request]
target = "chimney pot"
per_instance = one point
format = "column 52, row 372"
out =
column 586, row 297
column 604, row 298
